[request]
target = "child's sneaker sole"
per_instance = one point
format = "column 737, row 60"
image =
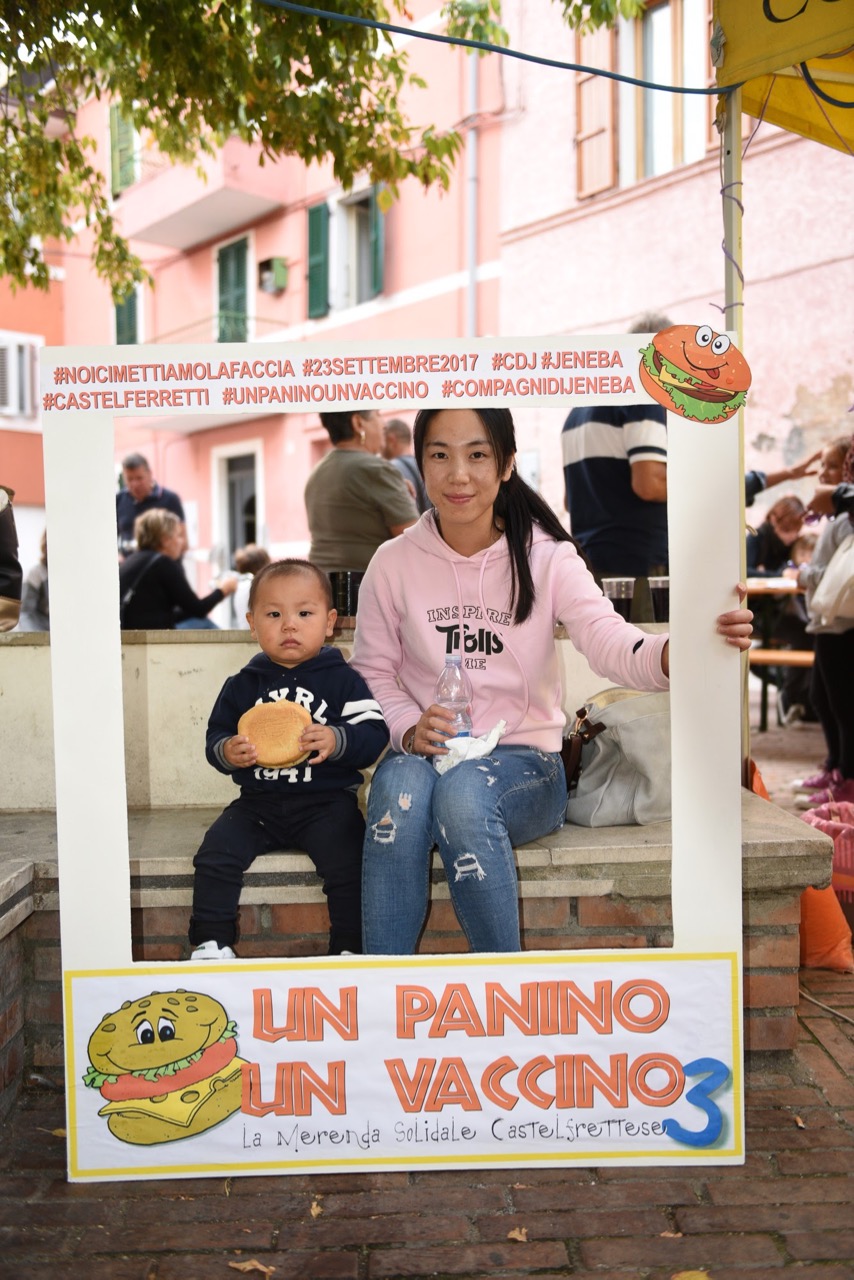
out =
column 212, row 951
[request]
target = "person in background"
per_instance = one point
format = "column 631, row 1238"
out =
column 801, row 551
column 11, row 573
column 832, row 498
column 768, row 547
column 615, row 477
column 154, row 592
column 485, row 574
column 248, row 561
column 142, row 493
column 397, row 449
column 35, row 600
column 769, row 552
column 355, row 501
column 756, row 482
column 833, row 670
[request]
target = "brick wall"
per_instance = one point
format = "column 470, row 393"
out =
column 771, row 953
column 11, row 1020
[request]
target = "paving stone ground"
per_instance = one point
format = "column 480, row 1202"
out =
column 788, row 1212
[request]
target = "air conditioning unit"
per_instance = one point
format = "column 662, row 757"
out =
column 17, row 377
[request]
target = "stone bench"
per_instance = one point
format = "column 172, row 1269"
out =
column 579, row 887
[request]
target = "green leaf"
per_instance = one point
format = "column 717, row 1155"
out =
column 191, row 75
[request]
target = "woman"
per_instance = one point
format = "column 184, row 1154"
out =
column 354, row 500
column 35, row 595
column 832, row 688
column 154, row 592
column 10, row 566
column 768, row 548
column 493, row 554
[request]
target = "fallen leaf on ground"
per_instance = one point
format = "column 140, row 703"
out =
column 518, row 1233
column 252, row 1265
column 316, row 1209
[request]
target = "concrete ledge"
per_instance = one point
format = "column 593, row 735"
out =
column 579, row 888
column 780, row 853
column 16, row 893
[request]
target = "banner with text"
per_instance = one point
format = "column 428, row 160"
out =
column 307, row 377
column 385, row 1063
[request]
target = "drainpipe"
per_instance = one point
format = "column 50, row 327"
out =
column 471, row 199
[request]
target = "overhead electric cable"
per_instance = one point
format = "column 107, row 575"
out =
column 485, row 47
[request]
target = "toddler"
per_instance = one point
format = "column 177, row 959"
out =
column 311, row 806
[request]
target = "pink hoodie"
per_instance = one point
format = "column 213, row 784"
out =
column 410, row 601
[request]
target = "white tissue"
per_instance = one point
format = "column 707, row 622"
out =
column 469, row 748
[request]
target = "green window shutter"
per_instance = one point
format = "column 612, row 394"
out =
column 232, row 292
column 126, row 320
column 122, row 138
column 318, row 261
column 377, row 226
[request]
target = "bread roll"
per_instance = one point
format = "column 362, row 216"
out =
column 275, row 728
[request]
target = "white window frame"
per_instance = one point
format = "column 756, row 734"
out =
column 21, row 398
column 690, row 132
column 251, row 283
column 219, row 457
column 344, row 250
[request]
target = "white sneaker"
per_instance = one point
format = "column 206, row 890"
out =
column 212, row 951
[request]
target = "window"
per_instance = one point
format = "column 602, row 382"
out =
column 318, row 261
column 595, row 115
column 126, row 325
column 346, row 253
column 231, row 263
column 364, row 248
column 660, row 131
column 242, row 502
column 123, row 151
column 17, row 376
column 627, row 133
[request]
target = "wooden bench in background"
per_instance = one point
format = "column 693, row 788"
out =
column 763, row 659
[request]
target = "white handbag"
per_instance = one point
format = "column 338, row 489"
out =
column 625, row 759
column 834, row 596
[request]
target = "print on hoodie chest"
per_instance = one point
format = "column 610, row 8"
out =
column 476, row 640
column 303, row 697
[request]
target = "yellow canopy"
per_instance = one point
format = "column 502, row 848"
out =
column 763, row 44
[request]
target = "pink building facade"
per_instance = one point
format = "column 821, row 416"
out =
column 576, row 205
column 621, row 212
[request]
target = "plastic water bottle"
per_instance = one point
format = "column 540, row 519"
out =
column 453, row 690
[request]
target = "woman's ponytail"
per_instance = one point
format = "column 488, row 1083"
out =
column 520, row 507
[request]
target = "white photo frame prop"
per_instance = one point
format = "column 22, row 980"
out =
column 592, row 1057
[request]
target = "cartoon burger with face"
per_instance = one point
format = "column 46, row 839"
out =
column 696, row 373
column 167, row 1066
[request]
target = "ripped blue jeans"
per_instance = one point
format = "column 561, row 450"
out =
column 475, row 813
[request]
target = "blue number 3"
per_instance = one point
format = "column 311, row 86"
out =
column 717, row 1075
